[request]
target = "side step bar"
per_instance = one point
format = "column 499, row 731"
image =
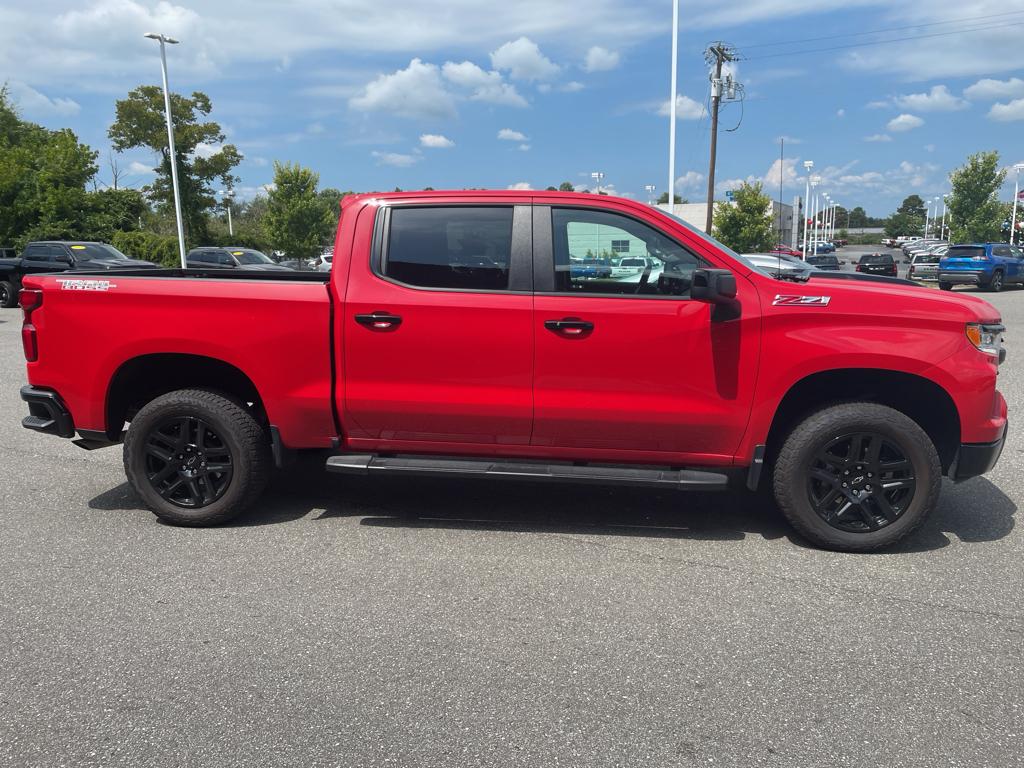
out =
column 425, row 466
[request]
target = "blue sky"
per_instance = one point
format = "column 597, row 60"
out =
column 472, row 93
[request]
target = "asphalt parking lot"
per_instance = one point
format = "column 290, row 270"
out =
column 438, row 623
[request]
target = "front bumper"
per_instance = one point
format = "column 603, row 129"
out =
column 975, row 459
column 964, row 278
column 47, row 412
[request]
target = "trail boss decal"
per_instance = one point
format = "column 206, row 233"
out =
column 86, row 285
column 782, row 300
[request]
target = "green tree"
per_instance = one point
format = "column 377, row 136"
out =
column 677, row 199
column 858, row 218
column 975, row 213
column 746, row 224
column 297, row 221
column 199, row 143
column 43, row 178
column 566, row 186
column 908, row 219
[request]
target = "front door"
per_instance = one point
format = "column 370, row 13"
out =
column 626, row 363
column 438, row 342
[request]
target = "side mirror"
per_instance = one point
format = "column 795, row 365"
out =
column 715, row 286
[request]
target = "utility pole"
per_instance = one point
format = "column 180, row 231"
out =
column 717, row 54
column 672, row 110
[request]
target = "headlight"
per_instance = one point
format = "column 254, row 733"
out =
column 988, row 337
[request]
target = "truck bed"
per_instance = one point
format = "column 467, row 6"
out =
column 272, row 327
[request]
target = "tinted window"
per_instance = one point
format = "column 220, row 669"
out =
column 200, row 257
column 221, row 257
column 458, row 247
column 36, row 253
column 876, row 258
column 584, row 243
column 965, row 252
column 928, row 258
column 1001, row 250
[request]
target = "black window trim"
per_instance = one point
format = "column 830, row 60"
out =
column 544, row 254
column 520, row 269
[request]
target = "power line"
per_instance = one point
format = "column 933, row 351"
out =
column 882, row 31
column 883, row 42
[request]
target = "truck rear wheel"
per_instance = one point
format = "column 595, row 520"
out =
column 196, row 457
column 8, row 295
column 857, row 477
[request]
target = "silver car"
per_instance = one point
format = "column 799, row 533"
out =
column 924, row 266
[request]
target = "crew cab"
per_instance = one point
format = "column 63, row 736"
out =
column 455, row 337
column 987, row 265
column 44, row 257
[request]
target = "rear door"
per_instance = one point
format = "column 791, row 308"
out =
column 630, row 366
column 438, row 336
column 38, row 258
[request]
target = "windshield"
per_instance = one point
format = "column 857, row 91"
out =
column 93, row 251
column 246, row 256
column 830, row 260
column 926, row 259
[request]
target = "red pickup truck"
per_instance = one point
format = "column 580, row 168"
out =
column 467, row 334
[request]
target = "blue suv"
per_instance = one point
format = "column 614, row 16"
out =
column 986, row 265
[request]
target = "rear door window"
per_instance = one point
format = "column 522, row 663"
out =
column 36, row 253
column 457, row 247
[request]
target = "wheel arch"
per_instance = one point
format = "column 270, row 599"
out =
column 920, row 398
column 143, row 378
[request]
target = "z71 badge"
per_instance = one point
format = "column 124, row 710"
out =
column 782, row 300
column 86, row 285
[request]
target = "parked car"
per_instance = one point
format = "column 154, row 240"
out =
column 8, row 253
column 630, row 266
column 823, row 246
column 232, row 258
column 785, row 250
column 924, row 266
column 590, row 269
column 987, row 265
column 777, row 265
column 323, row 262
column 44, row 257
column 410, row 365
column 827, row 262
column 877, row 264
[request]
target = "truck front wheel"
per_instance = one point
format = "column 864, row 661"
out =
column 196, row 457
column 857, row 477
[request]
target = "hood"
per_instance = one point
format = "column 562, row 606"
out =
column 870, row 294
column 116, row 263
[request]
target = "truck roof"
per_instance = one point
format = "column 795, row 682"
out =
column 519, row 194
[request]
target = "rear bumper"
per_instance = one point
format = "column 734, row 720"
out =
column 964, row 277
column 975, row 459
column 47, row 412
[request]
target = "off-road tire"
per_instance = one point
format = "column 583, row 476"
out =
column 238, row 432
column 790, row 477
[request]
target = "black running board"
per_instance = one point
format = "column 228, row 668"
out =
column 422, row 466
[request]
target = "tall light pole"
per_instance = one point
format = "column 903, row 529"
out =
column 808, row 165
column 824, row 220
column 927, row 216
column 1016, row 193
column 649, row 189
column 672, row 109
column 597, row 176
column 170, row 140
column 814, row 215
column 229, row 196
column 942, row 232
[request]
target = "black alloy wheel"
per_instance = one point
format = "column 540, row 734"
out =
column 187, row 462
column 860, row 482
column 996, row 283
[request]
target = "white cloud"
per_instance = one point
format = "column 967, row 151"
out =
column 691, row 180
column 790, row 140
column 686, row 108
column 1005, row 113
column 135, row 168
column 436, row 141
column 840, row 113
column 484, row 86
column 524, row 147
column 507, row 134
column 938, row 99
column 600, row 59
column 520, row 185
column 32, row 103
column 395, row 159
column 988, row 89
column 207, row 151
column 878, row 137
column 414, row 92
column 572, row 87
column 781, row 170
column 524, row 61
column 904, row 122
